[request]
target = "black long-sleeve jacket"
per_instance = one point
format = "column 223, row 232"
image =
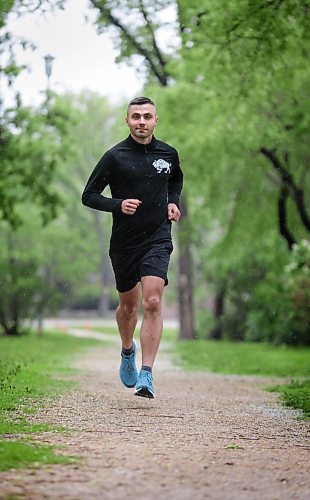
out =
column 150, row 173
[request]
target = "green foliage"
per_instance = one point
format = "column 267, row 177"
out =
column 240, row 87
column 244, row 358
column 296, row 395
column 279, row 309
column 17, row 455
column 30, row 140
column 244, row 106
column 19, row 282
column 34, row 278
column 37, row 271
column 89, row 276
column 28, row 365
column 31, row 152
column 235, row 111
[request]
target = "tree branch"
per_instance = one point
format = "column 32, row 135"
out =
column 288, row 180
column 160, row 58
column 282, row 217
column 133, row 41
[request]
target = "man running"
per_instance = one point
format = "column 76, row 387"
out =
column 145, row 180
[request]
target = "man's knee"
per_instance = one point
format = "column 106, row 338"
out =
column 152, row 304
column 128, row 310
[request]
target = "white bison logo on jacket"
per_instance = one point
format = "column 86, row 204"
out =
column 162, row 166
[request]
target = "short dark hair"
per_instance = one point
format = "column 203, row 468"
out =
column 140, row 100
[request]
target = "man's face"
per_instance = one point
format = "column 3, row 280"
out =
column 141, row 120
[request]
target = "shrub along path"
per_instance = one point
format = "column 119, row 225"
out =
column 205, row 436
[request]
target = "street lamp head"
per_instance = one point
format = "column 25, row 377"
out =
column 48, row 64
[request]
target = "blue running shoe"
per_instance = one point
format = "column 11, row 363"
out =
column 144, row 387
column 128, row 370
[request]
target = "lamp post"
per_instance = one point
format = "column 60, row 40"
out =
column 48, row 68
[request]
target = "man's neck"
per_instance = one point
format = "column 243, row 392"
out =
column 142, row 140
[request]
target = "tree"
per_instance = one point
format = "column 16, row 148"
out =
column 19, row 278
column 37, row 272
column 29, row 146
column 56, row 279
column 267, row 102
column 240, row 75
column 247, row 70
column 90, row 134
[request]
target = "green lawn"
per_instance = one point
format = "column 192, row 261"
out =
column 21, row 454
column 243, row 358
column 253, row 359
column 29, row 366
column 169, row 334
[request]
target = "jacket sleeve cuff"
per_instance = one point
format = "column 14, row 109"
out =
column 174, row 199
column 117, row 205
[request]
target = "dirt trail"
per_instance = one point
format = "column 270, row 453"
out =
column 205, row 436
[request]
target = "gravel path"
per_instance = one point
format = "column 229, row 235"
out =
column 205, row 436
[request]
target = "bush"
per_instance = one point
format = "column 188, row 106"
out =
column 280, row 305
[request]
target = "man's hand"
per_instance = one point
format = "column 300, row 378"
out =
column 130, row 206
column 173, row 212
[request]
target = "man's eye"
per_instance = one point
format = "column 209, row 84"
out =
column 135, row 117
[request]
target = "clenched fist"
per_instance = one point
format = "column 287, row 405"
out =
column 130, row 206
column 173, row 212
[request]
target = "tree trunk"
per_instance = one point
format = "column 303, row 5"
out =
column 219, row 307
column 40, row 320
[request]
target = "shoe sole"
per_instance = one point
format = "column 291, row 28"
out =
column 128, row 386
column 144, row 393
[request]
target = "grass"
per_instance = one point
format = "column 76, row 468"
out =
column 295, row 395
column 16, row 454
column 253, row 359
column 244, row 358
column 32, row 368
column 169, row 334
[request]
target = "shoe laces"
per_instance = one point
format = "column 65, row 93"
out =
column 127, row 362
column 145, row 378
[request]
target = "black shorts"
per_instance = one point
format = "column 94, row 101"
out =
column 130, row 267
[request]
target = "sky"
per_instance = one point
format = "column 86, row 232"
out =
column 83, row 59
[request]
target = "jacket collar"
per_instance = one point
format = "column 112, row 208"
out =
column 130, row 140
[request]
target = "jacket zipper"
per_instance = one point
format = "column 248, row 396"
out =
column 146, row 155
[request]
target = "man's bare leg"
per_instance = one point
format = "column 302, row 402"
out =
column 152, row 323
column 126, row 315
